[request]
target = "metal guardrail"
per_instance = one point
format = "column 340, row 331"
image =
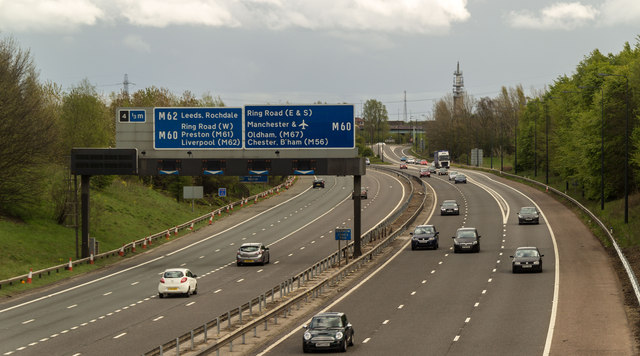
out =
column 625, row 263
column 288, row 286
column 130, row 247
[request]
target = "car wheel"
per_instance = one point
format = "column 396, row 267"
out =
column 188, row 294
column 305, row 350
column 160, row 295
column 351, row 340
column 343, row 346
column 436, row 246
column 238, row 264
column 268, row 258
column 195, row 291
column 413, row 247
column 513, row 270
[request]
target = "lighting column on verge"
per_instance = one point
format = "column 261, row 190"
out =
column 515, row 136
column 626, row 145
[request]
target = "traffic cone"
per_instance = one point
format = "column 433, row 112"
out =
column 168, row 234
column 191, row 227
column 227, row 208
column 121, row 252
column 150, row 240
column 133, row 246
column 242, row 202
column 30, row 276
column 175, row 232
column 144, row 243
column 70, row 266
column 256, row 199
column 219, row 212
column 91, row 259
column 547, row 189
column 211, row 219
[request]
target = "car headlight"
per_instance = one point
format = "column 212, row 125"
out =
column 519, row 216
column 516, row 263
column 307, row 336
column 339, row 335
column 536, row 262
column 475, row 242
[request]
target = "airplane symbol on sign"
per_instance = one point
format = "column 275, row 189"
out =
column 303, row 125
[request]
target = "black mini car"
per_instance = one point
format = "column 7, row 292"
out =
column 328, row 331
column 318, row 183
column 526, row 259
column 450, row 207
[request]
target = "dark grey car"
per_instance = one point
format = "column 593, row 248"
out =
column 424, row 236
column 450, row 207
column 328, row 331
column 526, row 259
column 528, row 215
column 467, row 239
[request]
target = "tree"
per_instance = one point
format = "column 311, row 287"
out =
column 27, row 129
column 376, row 120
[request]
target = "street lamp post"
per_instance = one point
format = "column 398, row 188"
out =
column 626, row 144
column 515, row 135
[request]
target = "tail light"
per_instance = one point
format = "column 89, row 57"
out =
column 161, row 280
column 183, row 280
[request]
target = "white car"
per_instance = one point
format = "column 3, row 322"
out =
column 177, row 281
column 411, row 161
column 452, row 175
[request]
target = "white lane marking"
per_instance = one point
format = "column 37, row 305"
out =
column 107, row 293
column 302, row 248
column 456, row 338
column 44, row 339
column 158, row 318
column 385, row 322
column 467, row 320
column 413, row 293
column 366, row 340
column 182, row 265
column 201, row 257
column 218, row 250
column 260, row 270
column 424, row 281
column 400, row 306
column 119, row 336
column 240, row 280
column 484, row 291
column 291, row 254
column 276, row 262
column 134, row 283
column 190, row 304
column 72, row 306
column 27, row 321
column 476, row 305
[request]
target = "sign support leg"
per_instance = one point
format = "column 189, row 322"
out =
column 357, row 217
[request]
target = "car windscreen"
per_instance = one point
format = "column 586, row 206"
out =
column 249, row 248
column 526, row 253
column 528, row 210
column 449, row 205
column 326, row 322
column 466, row 235
column 423, row 230
column 173, row 274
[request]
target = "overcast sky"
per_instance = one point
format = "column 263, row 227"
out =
column 288, row 51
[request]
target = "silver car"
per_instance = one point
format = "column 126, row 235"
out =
column 252, row 253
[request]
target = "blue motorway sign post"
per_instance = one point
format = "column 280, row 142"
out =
column 299, row 126
column 343, row 235
column 197, row 128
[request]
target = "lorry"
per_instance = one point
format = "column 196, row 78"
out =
column 441, row 159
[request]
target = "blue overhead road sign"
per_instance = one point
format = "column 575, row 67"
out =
column 197, row 128
column 299, row 126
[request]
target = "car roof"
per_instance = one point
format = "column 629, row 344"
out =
column 424, row 226
column 467, row 229
column 449, row 201
column 527, row 248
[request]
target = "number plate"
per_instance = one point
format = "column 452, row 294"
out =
column 526, row 266
column 172, row 288
column 249, row 261
column 322, row 344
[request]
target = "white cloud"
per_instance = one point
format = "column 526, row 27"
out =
column 615, row 12
column 136, row 43
column 45, row 15
column 563, row 16
column 383, row 16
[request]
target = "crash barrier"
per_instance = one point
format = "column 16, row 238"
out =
column 121, row 251
column 253, row 315
column 625, row 263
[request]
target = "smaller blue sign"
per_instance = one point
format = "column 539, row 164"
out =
column 254, row 179
column 137, row 116
column 343, row 234
column 222, row 192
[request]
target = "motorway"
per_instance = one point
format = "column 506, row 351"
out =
column 116, row 310
column 428, row 302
